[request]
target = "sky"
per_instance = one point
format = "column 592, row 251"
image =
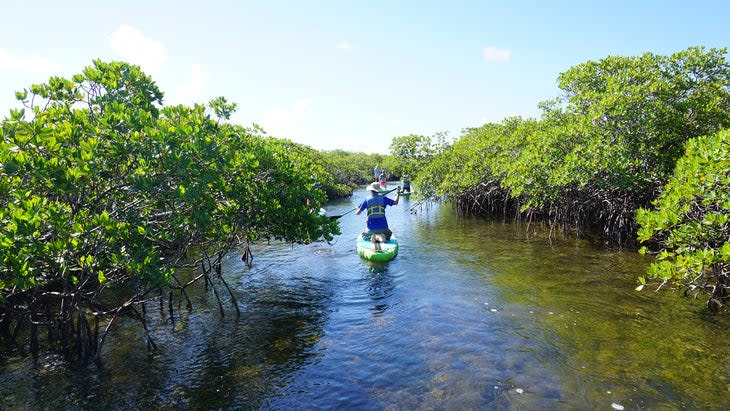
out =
column 344, row 74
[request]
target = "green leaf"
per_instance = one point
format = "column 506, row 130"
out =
column 725, row 251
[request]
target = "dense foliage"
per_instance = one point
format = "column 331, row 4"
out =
column 598, row 152
column 105, row 192
column 690, row 227
column 349, row 169
column 604, row 149
column 408, row 154
column 103, row 188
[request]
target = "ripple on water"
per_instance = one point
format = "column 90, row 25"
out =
column 470, row 315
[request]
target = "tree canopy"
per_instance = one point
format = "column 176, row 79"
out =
column 408, row 154
column 599, row 151
column 102, row 187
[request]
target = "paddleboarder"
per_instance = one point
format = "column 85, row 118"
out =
column 377, row 224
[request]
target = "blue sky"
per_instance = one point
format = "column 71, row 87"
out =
column 345, row 74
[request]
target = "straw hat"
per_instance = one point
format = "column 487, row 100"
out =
column 374, row 187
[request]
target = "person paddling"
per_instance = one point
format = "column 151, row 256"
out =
column 377, row 224
column 377, row 171
column 406, row 184
column 383, row 182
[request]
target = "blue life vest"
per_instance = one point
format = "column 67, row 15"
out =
column 376, row 207
column 376, row 213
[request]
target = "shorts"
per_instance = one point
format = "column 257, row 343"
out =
column 368, row 234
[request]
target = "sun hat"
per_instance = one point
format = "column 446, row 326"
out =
column 374, row 187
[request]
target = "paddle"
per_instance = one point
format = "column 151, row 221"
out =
column 335, row 217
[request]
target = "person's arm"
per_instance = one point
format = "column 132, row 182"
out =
column 361, row 207
column 397, row 196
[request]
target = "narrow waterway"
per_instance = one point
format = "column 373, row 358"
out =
column 471, row 315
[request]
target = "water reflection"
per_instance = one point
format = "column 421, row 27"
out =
column 208, row 362
column 380, row 287
column 471, row 315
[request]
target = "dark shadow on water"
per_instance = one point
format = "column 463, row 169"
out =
column 206, row 362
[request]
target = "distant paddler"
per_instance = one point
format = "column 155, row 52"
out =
column 377, row 171
column 383, row 182
column 406, row 184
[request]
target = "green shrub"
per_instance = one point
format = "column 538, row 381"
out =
column 689, row 228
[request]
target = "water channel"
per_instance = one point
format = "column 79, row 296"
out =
column 472, row 314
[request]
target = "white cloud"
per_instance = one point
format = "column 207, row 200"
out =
column 291, row 122
column 284, row 122
column 27, row 64
column 346, row 45
column 192, row 91
column 135, row 48
column 497, row 55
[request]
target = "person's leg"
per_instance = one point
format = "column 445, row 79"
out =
column 376, row 240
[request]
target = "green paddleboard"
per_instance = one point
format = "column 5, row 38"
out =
column 366, row 250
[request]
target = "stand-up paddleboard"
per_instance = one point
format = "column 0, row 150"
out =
column 388, row 251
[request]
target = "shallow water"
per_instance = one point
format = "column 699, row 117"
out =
column 470, row 315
